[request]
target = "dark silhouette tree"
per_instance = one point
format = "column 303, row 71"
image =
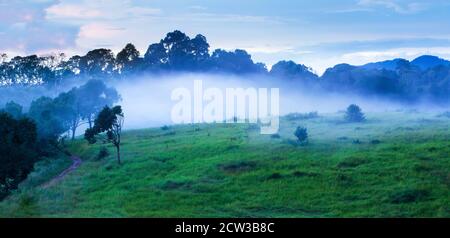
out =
column 156, row 56
column 237, row 62
column 354, row 114
column 18, row 151
column 109, row 121
column 292, row 71
column 99, row 62
column 128, row 60
column 301, row 133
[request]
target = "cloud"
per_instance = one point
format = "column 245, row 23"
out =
column 98, row 10
column 405, row 8
column 72, row 11
column 98, row 31
column 25, row 29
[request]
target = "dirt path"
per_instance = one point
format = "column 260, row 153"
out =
column 76, row 162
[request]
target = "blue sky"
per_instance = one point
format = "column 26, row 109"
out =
column 319, row 33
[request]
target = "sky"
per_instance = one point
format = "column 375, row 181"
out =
column 319, row 33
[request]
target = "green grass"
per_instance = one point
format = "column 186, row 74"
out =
column 394, row 165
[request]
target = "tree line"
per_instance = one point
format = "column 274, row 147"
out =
column 425, row 77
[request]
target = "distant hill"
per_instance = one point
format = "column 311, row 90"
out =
column 426, row 77
column 388, row 64
column 428, row 61
column 423, row 62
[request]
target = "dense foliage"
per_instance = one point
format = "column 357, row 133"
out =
column 18, row 150
column 69, row 110
column 27, row 137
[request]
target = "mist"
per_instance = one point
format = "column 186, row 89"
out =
column 146, row 100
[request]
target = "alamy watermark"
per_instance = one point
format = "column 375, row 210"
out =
column 232, row 105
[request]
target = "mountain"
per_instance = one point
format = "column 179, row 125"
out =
column 388, row 64
column 428, row 61
column 423, row 62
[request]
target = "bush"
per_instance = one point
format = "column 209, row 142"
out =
column 354, row 114
column 301, row 133
column 408, row 195
column 103, row 153
column 275, row 136
column 165, row 128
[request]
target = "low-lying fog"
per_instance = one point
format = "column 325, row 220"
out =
column 146, row 100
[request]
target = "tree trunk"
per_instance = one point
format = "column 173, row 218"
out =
column 118, row 153
column 73, row 133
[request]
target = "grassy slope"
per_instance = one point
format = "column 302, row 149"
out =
column 233, row 171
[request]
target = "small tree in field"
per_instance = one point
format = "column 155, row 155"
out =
column 301, row 133
column 354, row 114
column 109, row 120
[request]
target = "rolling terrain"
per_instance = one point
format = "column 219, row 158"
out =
column 396, row 164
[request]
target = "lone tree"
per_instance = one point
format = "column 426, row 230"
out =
column 109, row 120
column 301, row 133
column 354, row 114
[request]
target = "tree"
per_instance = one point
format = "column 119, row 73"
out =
column 128, row 60
column 67, row 107
column 156, row 55
column 93, row 97
column 237, row 62
column 14, row 109
column 109, row 121
column 301, row 133
column 292, row 71
column 178, row 52
column 49, row 124
column 354, row 114
column 98, row 62
column 18, row 151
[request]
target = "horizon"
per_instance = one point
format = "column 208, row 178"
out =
column 269, row 66
column 319, row 34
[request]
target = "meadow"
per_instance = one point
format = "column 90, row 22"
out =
column 395, row 164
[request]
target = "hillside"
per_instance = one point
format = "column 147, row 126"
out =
column 396, row 164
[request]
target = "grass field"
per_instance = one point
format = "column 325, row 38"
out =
column 396, row 164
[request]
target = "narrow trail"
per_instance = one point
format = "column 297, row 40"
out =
column 76, row 162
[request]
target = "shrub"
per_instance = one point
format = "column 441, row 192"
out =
column 301, row 133
column 375, row 142
column 408, row 195
column 354, row 114
column 103, row 153
column 274, row 176
column 275, row 136
column 165, row 128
